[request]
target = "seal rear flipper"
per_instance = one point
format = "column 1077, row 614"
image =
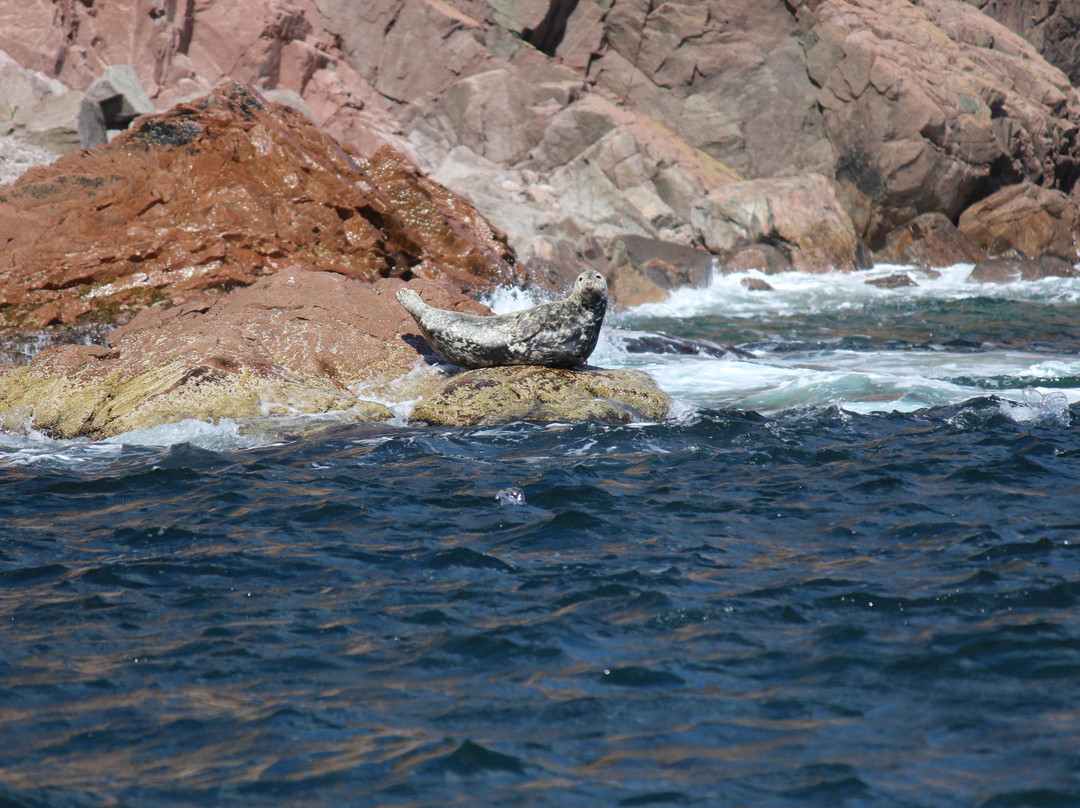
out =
column 411, row 301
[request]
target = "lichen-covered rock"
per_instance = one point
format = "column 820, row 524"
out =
column 78, row 392
column 530, row 393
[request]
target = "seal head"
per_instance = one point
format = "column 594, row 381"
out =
column 560, row 334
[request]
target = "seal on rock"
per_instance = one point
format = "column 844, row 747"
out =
column 560, row 334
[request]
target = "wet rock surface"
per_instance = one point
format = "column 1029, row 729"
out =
column 298, row 343
column 1012, row 268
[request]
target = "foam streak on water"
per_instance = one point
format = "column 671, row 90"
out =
column 846, row 573
column 833, row 339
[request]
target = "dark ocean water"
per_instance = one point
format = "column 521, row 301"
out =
column 817, row 604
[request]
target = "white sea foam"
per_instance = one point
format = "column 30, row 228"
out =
column 858, row 381
column 508, row 299
column 223, row 436
column 805, row 293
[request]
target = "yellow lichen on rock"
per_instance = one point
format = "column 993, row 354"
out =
column 528, row 393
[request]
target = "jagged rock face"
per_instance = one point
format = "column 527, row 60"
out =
column 932, row 106
column 909, row 107
column 1050, row 26
column 1034, row 220
column 729, row 76
column 563, row 120
column 215, row 194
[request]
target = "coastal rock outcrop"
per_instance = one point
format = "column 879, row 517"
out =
column 296, row 343
column 572, row 124
column 215, row 194
column 1035, row 220
column 252, row 265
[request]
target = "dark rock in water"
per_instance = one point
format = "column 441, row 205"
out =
column 896, row 280
column 635, row 342
column 756, row 285
column 215, row 194
column 1012, row 268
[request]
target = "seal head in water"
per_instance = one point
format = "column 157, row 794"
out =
column 560, row 334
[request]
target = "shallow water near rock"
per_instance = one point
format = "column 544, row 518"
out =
column 845, row 572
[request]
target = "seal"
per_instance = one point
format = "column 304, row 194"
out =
column 560, row 334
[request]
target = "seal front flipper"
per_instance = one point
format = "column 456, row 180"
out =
column 526, row 326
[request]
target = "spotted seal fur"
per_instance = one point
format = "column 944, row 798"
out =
column 560, row 334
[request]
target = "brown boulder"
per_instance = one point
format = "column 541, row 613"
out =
column 1026, row 217
column 929, row 240
column 215, row 194
column 799, row 216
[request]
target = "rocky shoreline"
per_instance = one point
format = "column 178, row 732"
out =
column 653, row 143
